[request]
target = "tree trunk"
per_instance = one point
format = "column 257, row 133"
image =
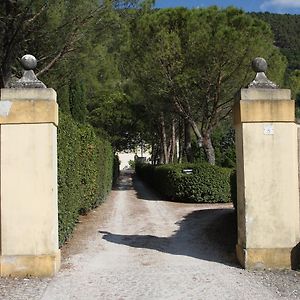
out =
column 197, row 133
column 153, row 153
column 208, row 148
column 188, row 142
column 174, row 144
column 204, row 140
column 164, row 139
column 161, row 157
column 181, row 141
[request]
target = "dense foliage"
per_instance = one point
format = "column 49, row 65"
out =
column 85, row 165
column 286, row 29
column 140, row 75
column 207, row 183
column 188, row 66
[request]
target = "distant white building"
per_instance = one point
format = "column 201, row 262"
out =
column 125, row 157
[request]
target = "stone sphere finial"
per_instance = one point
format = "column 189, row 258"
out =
column 28, row 62
column 29, row 79
column 261, row 81
column 259, row 65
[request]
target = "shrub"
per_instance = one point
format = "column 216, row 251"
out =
column 207, row 183
column 85, row 166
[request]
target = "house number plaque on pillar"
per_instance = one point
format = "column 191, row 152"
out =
column 268, row 129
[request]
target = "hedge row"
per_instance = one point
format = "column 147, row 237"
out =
column 207, row 183
column 85, row 166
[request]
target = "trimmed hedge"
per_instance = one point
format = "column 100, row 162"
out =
column 207, row 183
column 85, row 166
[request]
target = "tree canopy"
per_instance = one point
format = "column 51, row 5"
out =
column 286, row 29
column 189, row 65
column 165, row 77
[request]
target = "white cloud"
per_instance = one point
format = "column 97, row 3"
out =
column 281, row 4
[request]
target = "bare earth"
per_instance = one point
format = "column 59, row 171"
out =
column 136, row 246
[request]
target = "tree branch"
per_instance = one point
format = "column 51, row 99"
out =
column 33, row 18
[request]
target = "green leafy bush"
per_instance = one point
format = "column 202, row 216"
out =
column 85, row 167
column 207, row 183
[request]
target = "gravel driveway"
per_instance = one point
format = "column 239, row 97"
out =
column 136, row 246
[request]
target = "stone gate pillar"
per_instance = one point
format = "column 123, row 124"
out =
column 267, row 174
column 28, row 177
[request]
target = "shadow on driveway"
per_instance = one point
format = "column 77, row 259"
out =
column 208, row 234
column 124, row 182
column 204, row 234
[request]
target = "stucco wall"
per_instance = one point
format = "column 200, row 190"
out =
column 267, row 171
column 28, row 183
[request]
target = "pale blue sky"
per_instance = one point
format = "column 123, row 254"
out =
column 276, row 6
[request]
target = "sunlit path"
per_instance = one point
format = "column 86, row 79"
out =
column 138, row 247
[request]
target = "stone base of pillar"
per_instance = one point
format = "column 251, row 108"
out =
column 264, row 258
column 29, row 265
